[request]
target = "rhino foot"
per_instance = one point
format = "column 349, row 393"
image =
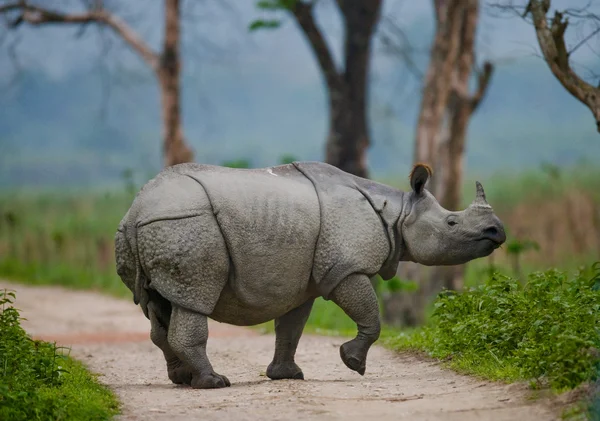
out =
column 354, row 356
column 284, row 370
column 180, row 375
column 210, row 381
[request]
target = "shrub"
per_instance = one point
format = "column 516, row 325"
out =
column 547, row 329
column 39, row 382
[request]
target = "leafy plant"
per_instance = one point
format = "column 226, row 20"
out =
column 546, row 330
column 39, row 381
column 271, row 6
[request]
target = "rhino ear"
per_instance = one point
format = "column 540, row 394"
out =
column 419, row 176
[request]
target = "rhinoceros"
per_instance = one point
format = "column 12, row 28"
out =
column 246, row 246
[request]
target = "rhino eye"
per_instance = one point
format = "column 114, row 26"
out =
column 452, row 223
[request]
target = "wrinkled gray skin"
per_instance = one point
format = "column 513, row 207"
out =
column 248, row 246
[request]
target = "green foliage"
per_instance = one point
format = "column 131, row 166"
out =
column 517, row 247
column 39, row 382
column 396, row 284
column 264, row 24
column 237, row 163
column 287, row 159
column 271, row 6
column 276, row 4
column 546, row 330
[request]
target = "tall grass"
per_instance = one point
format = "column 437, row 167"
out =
column 56, row 238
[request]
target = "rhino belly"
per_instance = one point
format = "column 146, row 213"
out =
column 235, row 310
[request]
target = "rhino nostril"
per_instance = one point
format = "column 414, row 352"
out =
column 495, row 234
column 491, row 232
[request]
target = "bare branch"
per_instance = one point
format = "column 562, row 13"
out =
column 483, row 82
column 36, row 15
column 584, row 40
column 404, row 50
column 552, row 44
column 304, row 16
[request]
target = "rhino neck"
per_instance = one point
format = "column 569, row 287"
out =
column 388, row 203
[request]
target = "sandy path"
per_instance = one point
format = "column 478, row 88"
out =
column 111, row 337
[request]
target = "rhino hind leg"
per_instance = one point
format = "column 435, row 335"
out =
column 355, row 295
column 288, row 330
column 187, row 336
column 159, row 313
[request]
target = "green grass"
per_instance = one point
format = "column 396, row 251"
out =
column 545, row 330
column 38, row 381
column 62, row 239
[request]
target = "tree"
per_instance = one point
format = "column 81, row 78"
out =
column 553, row 46
column 550, row 35
column 165, row 64
column 447, row 106
column 347, row 88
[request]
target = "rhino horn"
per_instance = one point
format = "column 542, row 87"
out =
column 480, row 201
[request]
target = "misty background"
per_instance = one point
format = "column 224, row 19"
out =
column 79, row 109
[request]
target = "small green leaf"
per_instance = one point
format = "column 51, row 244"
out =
column 264, row 24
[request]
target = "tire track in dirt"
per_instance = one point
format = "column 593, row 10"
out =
column 111, row 336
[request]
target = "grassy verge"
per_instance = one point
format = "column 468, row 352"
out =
column 39, row 382
column 545, row 331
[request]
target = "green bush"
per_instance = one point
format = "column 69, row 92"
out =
column 547, row 329
column 39, row 382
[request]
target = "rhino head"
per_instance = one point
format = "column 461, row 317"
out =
column 435, row 236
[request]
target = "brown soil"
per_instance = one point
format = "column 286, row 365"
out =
column 112, row 337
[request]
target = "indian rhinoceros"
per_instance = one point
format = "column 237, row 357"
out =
column 246, row 246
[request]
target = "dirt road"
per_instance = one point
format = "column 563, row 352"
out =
column 112, row 337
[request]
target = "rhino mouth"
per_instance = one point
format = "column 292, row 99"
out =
column 496, row 243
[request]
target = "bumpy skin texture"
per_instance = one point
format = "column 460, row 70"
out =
column 288, row 329
column 249, row 246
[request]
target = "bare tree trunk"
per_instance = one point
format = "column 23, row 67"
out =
column 460, row 108
column 175, row 150
column 437, row 85
column 348, row 138
column 446, row 109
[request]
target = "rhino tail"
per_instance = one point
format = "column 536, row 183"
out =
column 126, row 248
column 137, row 291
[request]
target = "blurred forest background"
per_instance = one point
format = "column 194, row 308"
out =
column 82, row 125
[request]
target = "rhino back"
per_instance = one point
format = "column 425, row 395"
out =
column 169, row 195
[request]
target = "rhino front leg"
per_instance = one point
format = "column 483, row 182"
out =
column 179, row 373
column 288, row 329
column 187, row 336
column 356, row 296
